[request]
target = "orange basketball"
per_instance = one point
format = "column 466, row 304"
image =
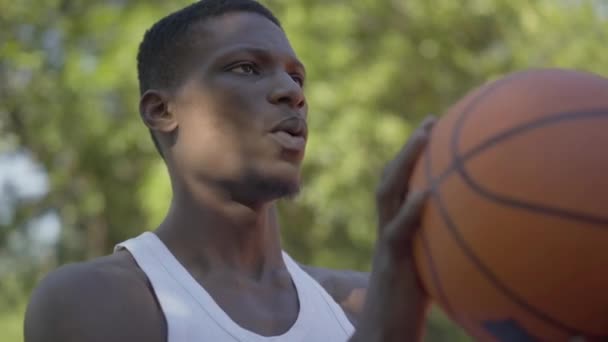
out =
column 514, row 238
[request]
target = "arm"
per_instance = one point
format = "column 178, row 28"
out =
column 395, row 304
column 350, row 289
column 90, row 303
column 390, row 304
column 347, row 288
column 394, row 307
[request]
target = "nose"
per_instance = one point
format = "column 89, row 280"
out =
column 287, row 91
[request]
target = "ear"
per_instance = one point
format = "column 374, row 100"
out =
column 154, row 111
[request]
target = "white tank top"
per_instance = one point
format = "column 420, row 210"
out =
column 193, row 316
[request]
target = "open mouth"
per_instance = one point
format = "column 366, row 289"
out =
column 295, row 127
column 291, row 134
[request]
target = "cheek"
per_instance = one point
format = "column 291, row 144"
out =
column 222, row 142
column 242, row 96
column 203, row 148
column 223, row 124
column 240, row 114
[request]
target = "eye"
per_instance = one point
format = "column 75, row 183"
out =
column 244, row 69
column 298, row 78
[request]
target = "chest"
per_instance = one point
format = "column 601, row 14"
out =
column 299, row 313
column 266, row 310
column 221, row 310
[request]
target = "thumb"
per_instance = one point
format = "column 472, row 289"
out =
column 401, row 229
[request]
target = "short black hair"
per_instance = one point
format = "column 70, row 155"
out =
column 158, row 58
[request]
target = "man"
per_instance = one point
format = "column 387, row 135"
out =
column 222, row 94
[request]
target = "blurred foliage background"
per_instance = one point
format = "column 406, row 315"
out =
column 78, row 172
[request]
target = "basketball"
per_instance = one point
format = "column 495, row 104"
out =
column 513, row 244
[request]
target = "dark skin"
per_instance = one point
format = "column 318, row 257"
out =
column 228, row 167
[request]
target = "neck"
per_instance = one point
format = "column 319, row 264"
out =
column 215, row 234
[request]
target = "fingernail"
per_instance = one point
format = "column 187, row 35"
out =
column 429, row 121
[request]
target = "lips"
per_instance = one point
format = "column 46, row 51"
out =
column 294, row 126
column 291, row 134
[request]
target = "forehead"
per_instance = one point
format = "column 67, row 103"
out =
column 232, row 30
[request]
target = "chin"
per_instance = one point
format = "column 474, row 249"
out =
column 283, row 179
column 278, row 187
column 257, row 187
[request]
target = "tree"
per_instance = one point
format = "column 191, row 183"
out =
column 68, row 99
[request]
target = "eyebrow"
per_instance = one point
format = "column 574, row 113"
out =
column 260, row 52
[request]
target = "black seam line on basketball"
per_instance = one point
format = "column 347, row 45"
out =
column 433, row 184
column 436, row 281
column 459, row 162
column 493, row 279
column 468, row 108
column 455, row 232
column 443, row 298
column 453, row 229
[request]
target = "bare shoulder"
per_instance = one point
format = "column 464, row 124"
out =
column 346, row 287
column 106, row 299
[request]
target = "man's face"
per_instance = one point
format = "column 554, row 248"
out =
column 241, row 112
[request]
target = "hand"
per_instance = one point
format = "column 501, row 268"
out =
column 395, row 304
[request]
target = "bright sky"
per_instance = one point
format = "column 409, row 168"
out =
column 21, row 178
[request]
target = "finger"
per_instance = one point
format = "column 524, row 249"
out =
column 421, row 131
column 398, row 172
column 400, row 231
column 394, row 184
